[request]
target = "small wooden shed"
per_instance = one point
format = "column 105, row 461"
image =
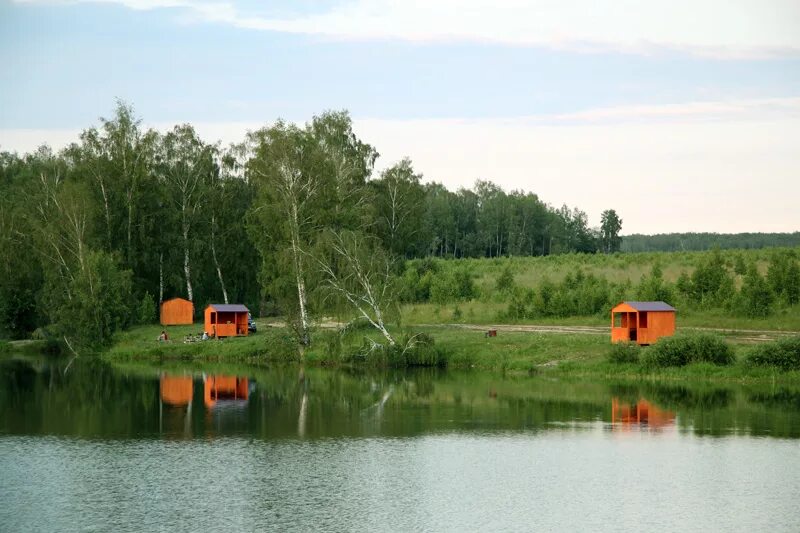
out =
column 177, row 312
column 226, row 320
column 642, row 322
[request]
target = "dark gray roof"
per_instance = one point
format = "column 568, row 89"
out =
column 651, row 306
column 230, row 308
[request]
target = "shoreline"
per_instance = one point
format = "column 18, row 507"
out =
column 464, row 347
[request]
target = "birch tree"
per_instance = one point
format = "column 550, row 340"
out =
column 400, row 207
column 357, row 271
column 187, row 167
column 289, row 190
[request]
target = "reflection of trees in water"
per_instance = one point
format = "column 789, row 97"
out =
column 94, row 399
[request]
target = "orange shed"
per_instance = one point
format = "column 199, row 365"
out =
column 642, row 322
column 176, row 312
column 226, row 320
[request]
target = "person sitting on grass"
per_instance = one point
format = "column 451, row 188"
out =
column 205, row 336
column 163, row 337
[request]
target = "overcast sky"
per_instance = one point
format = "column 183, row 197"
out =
column 682, row 115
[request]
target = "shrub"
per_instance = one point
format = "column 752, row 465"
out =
column 755, row 298
column 682, row 350
column 147, row 310
column 411, row 350
column 505, row 282
column 783, row 354
column 624, row 352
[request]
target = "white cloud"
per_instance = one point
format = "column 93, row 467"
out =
column 726, row 28
column 707, row 166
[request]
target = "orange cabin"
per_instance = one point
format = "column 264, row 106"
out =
column 177, row 312
column 226, row 320
column 218, row 388
column 176, row 390
column 642, row 322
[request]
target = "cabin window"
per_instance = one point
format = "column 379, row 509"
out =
column 617, row 320
column 643, row 319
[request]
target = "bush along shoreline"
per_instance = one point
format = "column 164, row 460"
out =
column 683, row 350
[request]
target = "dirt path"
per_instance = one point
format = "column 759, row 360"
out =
column 741, row 335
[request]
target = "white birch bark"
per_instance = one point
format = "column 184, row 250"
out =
column 216, row 261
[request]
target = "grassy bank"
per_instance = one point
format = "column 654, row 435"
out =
column 557, row 354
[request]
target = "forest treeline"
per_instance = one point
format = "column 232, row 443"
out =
column 680, row 242
column 293, row 221
column 94, row 236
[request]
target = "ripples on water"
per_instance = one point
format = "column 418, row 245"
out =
column 105, row 450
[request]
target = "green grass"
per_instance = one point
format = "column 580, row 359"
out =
column 141, row 343
column 556, row 354
column 491, row 305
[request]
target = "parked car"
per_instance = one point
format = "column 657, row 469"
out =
column 251, row 324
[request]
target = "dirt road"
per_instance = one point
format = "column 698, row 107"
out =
column 739, row 335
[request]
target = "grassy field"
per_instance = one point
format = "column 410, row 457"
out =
column 479, row 312
column 557, row 354
column 624, row 273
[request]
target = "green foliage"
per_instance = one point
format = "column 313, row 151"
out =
column 624, row 352
column 505, row 282
column 711, row 284
column 610, row 226
column 147, row 310
column 682, row 350
column 755, row 299
column 413, row 350
column 654, row 288
column 783, row 354
column 678, row 242
column 95, row 304
column 739, row 265
column 783, row 276
column 453, row 286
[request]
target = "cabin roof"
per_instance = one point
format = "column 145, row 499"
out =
column 230, row 308
column 177, row 298
column 650, row 306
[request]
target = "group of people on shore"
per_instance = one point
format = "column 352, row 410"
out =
column 164, row 337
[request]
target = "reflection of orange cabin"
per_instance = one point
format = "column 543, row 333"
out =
column 642, row 322
column 176, row 312
column 218, row 388
column 643, row 413
column 176, row 390
column 226, row 320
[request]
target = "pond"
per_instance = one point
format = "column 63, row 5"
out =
column 186, row 448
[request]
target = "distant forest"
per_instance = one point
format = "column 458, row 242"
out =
column 678, row 242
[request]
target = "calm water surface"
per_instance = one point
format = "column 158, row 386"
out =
column 252, row 449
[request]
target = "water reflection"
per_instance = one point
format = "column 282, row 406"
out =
column 95, row 399
column 640, row 415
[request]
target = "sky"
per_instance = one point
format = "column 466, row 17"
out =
column 681, row 115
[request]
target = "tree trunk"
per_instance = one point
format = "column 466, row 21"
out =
column 216, row 262
column 130, row 225
column 299, row 277
column 186, row 269
column 160, row 277
column 107, row 213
